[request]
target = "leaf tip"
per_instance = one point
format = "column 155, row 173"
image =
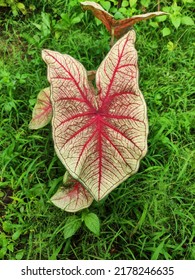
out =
column 44, row 53
column 30, row 126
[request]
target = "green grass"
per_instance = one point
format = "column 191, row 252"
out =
column 149, row 216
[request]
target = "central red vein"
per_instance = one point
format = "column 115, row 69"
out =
column 99, row 148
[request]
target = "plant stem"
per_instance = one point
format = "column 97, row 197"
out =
column 91, row 75
column 158, row 8
column 119, row 4
column 112, row 37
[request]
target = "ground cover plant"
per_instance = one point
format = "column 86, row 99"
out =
column 151, row 215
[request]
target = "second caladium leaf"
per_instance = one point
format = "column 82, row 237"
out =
column 42, row 112
column 116, row 27
column 99, row 138
column 72, row 196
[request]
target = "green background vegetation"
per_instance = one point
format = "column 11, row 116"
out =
column 149, row 216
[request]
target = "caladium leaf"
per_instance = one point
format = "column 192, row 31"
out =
column 42, row 112
column 97, row 10
column 123, row 25
column 72, row 197
column 99, row 138
column 116, row 27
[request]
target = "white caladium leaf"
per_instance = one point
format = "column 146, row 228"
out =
column 118, row 27
column 42, row 112
column 72, row 197
column 100, row 138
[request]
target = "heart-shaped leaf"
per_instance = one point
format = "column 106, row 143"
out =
column 73, row 223
column 42, row 112
column 116, row 27
column 72, row 197
column 92, row 222
column 99, row 138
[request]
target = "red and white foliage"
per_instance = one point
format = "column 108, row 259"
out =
column 72, row 197
column 42, row 112
column 99, row 134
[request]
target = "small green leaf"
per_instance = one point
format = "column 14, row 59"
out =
column 16, row 234
column 176, row 9
column 125, row 3
column 7, row 226
column 22, row 8
column 187, row 20
column 3, row 251
column 97, row 21
column 161, row 19
column 153, row 24
column 10, row 247
column 132, row 3
column 176, row 21
column 166, row 31
column 171, row 46
column 145, row 3
column 3, row 4
column 1, row 194
column 166, row 9
column 77, row 19
column 38, row 26
column 45, row 19
column 58, row 34
column 123, row 11
column 113, row 10
column 73, row 223
column 105, row 4
column 19, row 255
column 92, row 223
column 118, row 15
column 32, row 7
